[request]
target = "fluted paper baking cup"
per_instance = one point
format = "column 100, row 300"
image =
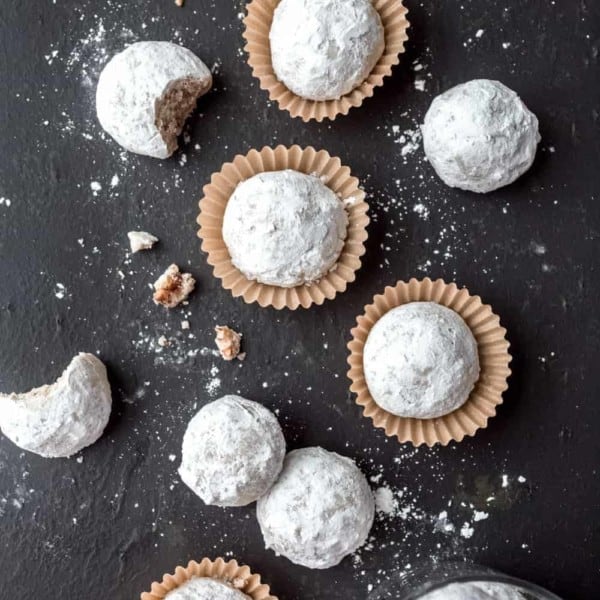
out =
column 306, row 160
column 257, row 27
column 239, row 577
column 494, row 359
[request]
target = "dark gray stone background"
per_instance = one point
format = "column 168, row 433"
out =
column 107, row 523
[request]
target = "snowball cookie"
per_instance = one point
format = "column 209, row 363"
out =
column 232, row 452
column 320, row 509
column 146, row 93
column 479, row 136
column 284, row 228
column 420, row 360
column 323, row 49
column 203, row 588
column 483, row 590
column 59, row 420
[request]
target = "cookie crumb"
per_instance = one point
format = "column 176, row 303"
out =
column 163, row 342
column 228, row 342
column 173, row 287
column 179, row 2
column 185, row 324
column 141, row 240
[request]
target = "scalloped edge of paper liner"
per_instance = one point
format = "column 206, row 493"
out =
column 228, row 571
column 306, row 160
column 494, row 360
column 257, row 23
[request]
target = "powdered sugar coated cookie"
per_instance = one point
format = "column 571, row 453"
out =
column 323, row 49
column 479, row 136
column 420, row 360
column 146, row 92
column 320, row 509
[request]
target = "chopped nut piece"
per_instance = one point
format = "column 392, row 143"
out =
column 239, row 583
column 163, row 342
column 141, row 240
column 228, row 342
column 173, row 287
column 179, row 2
column 185, row 324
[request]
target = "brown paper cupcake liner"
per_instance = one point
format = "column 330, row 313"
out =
column 258, row 25
column 240, row 577
column 307, row 160
column 494, row 359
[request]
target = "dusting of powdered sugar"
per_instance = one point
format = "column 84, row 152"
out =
column 417, row 521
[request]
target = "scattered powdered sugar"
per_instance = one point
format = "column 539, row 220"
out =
column 385, row 502
column 475, row 38
column 421, row 210
column 442, row 524
column 537, row 248
column 409, row 139
column 88, row 55
column 60, row 291
column 420, row 69
column 408, row 524
column 19, row 497
column 176, row 349
column 213, row 385
column 467, row 531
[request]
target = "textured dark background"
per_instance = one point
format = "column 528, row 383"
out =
column 106, row 523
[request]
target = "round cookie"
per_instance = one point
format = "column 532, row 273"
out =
column 284, row 228
column 204, row 588
column 60, row 419
column 484, row 590
column 145, row 94
column 420, row 360
column 479, row 136
column 232, row 451
column 323, row 49
column 320, row 509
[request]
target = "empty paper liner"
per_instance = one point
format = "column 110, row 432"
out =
column 241, row 578
column 309, row 161
column 258, row 25
column 494, row 359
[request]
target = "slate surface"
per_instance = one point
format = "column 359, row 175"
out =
column 106, row 523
